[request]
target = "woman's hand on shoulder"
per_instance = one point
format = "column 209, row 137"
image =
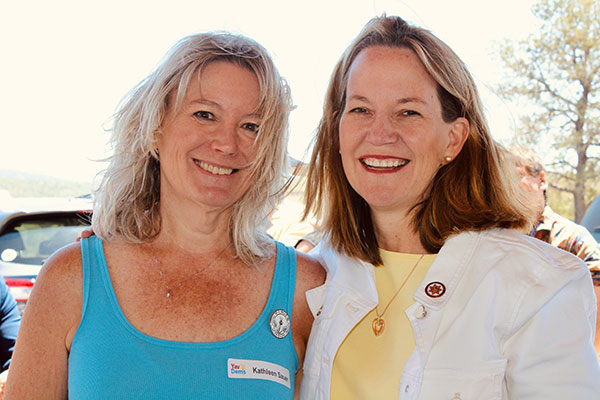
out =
column 39, row 365
column 86, row 233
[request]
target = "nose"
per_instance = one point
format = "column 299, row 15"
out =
column 225, row 141
column 381, row 132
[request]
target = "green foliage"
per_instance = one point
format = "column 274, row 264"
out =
column 554, row 76
column 561, row 203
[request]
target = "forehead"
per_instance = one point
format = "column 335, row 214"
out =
column 400, row 59
column 398, row 69
column 220, row 81
column 222, row 73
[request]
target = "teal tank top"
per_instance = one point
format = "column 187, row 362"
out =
column 110, row 359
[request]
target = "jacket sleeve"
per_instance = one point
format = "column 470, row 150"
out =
column 551, row 355
column 10, row 320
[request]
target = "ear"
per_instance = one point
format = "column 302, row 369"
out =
column 457, row 136
column 543, row 180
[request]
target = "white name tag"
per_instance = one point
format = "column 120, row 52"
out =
column 255, row 369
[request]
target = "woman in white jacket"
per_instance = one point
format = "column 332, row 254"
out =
column 431, row 291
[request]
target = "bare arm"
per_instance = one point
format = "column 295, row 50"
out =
column 309, row 274
column 38, row 369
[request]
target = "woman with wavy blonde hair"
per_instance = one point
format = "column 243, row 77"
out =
column 180, row 293
column 431, row 291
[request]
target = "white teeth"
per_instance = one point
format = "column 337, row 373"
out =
column 385, row 163
column 213, row 169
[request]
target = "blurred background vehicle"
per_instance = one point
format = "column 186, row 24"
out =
column 591, row 218
column 29, row 235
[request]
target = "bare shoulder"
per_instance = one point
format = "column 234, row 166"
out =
column 64, row 265
column 39, row 363
column 58, row 287
column 309, row 273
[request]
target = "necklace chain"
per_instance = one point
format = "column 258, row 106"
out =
column 379, row 323
column 170, row 288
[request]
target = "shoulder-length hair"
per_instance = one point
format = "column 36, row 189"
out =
column 470, row 193
column 127, row 201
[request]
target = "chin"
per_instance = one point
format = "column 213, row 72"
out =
column 216, row 199
column 379, row 203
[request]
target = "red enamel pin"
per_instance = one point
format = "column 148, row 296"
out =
column 435, row 289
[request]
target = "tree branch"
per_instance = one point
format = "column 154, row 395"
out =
column 561, row 175
column 561, row 163
column 560, row 188
column 544, row 83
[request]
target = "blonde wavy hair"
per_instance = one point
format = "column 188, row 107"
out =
column 127, row 200
column 473, row 192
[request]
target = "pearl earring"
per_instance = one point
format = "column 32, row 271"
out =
column 448, row 159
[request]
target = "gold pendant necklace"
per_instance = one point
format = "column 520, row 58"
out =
column 178, row 284
column 378, row 324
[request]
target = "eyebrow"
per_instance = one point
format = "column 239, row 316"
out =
column 217, row 105
column 402, row 100
column 204, row 102
column 405, row 100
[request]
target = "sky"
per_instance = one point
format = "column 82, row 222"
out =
column 65, row 65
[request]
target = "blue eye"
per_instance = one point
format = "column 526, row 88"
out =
column 204, row 115
column 251, row 127
column 410, row 112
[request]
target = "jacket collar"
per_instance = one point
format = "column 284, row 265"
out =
column 349, row 274
column 359, row 276
column 447, row 269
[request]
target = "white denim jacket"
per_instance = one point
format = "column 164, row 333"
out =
column 516, row 321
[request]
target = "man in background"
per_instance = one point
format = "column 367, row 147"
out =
column 551, row 227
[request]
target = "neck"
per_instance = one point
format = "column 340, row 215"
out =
column 192, row 228
column 396, row 232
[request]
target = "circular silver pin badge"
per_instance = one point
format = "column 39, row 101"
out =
column 280, row 324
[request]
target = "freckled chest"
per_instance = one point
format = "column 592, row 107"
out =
column 217, row 304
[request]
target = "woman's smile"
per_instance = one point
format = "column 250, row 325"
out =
column 214, row 169
column 383, row 164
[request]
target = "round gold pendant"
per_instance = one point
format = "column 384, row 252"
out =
column 378, row 326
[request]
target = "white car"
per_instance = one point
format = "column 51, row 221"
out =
column 28, row 238
column 591, row 219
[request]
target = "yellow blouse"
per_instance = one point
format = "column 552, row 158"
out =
column 368, row 366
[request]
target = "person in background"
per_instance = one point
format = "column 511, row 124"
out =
column 549, row 226
column 181, row 294
column 552, row 228
column 10, row 319
column 432, row 292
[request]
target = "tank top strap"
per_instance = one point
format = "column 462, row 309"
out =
column 97, row 288
column 88, row 263
column 284, row 278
